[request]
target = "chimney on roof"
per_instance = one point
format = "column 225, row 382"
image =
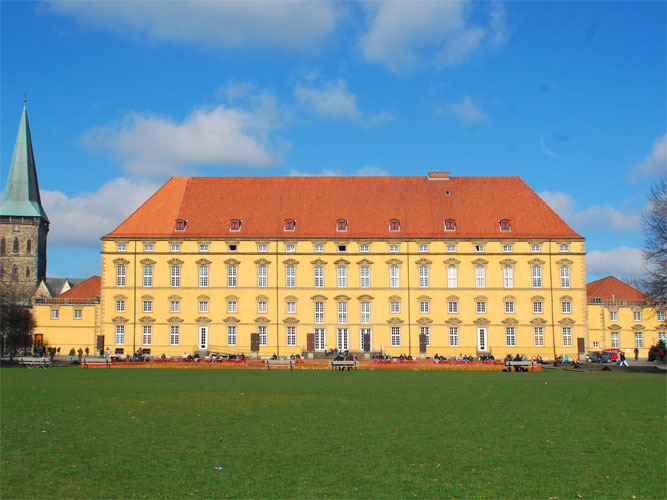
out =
column 438, row 176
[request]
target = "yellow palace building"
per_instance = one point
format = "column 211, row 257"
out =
column 396, row 265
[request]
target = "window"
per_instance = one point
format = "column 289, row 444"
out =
column 615, row 340
column 394, row 277
column 596, row 345
column 453, row 307
column 537, row 307
column 319, row 313
column 203, row 306
column 15, row 248
column 538, row 333
column 175, row 276
column 480, row 307
column 507, row 248
column 147, row 306
column 27, row 272
column 454, row 336
column 510, row 336
column 290, row 276
column 394, row 307
column 662, row 336
column 364, row 248
column 425, row 333
column 394, row 225
column 639, row 340
column 290, row 224
column 564, row 248
column 174, row 306
column 452, row 277
column 174, row 334
column 77, row 313
column 290, row 248
column 341, row 225
column 423, row 277
column 148, row 276
column 318, row 248
column 121, row 247
column 423, row 248
column 291, row 335
column 262, row 306
column 28, row 246
column 148, row 247
column 613, row 315
column 147, row 335
column 120, row 334
column 450, row 225
column 120, row 275
column 342, row 276
column 365, row 313
column 180, row 225
column 480, row 276
column 342, row 248
column 637, row 315
column 509, row 307
column 290, row 307
column 262, row 247
column 120, row 306
column 342, row 339
column 566, row 307
column 175, row 247
column 424, row 307
column 565, row 277
column 262, row 280
column 505, row 225
column 661, row 315
column 508, row 276
column 231, row 335
column 261, row 330
column 235, row 225
column 479, row 248
column 395, row 336
column 232, row 306
column 231, row 276
column 342, row 313
column 54, row 313
column 394, row 248
column 232, row 247
column 451, row 248
column 535, row 248
column 567, row 336
column 203, row 247
column 203, row 276
column 319, row 277
column 537, row 277
column 365, row 277
column 320, row 339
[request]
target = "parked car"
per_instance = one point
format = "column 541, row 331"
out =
column 614, row 353
column 594, row 357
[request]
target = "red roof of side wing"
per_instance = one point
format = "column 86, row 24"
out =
column 611, row 287
column 367, row 203
column 88, row 289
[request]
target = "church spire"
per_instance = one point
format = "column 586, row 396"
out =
column 21, row 197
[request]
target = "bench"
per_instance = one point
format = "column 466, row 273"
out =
column 280, row 362
column 522, row 365
column 341, row 365
column 39, row 362
column 88, row 362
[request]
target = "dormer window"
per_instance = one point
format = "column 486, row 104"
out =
column 290, row 224
column 235, row 225
column 341, row 225
column 450, row 225
column 505, row 224
column 180, row 225
column 394, row 225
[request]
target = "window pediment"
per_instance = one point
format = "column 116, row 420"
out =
column 119, row 297
column 481, row 298
column 261, row 298
column 424, row 298
column 291, row 321
column 452, row 298
column 395, row 321
column 341, row 298
column 508, row 262
column 203, row 297
column 394, row 298
column 509, row 322
column 290, row 298
column 291, row 262
column 394, row 262
column 261, row 320
column 231, row 319
column 147, row 262
column 564, row 262
column 318, row 298
column 365, row 298
column 202, row 319
column 262, row 262
column 615, row 327
column 175, row 262
column 452, row 262
column 364, row 262
column 146, row 319
column 174, row 319
column 174, row 297
column 566, row 298
column 318, row 262
column 424, row 321
column 480, row 262
column 453, row 321
column 232, row 262
column 146, row 297
column 566, row 322
column 509, row 298
column 121, row 262
column 537, row 298
column 538, row 322
column 481, row 321
column 203, row 262
column 536, row 262
column 341, row 263
column 423, row 262
column 119, row 320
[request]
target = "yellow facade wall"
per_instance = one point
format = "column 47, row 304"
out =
column 67, row 329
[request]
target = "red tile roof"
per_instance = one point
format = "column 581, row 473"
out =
column 368, row 203
column 610, row 286
column 88, row 289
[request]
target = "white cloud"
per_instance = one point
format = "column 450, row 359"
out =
column 655, row 163
column 622, row 262
column 292, row 26
column 406, row 35
column 465, row 110
column 366, row 171
column 594, row 217
column 155, row 146
column 333, row 99
column 81, row 220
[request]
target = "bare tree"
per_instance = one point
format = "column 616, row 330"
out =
column 16, row 326
column 655, row 244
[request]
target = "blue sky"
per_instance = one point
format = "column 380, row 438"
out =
column 570, row 96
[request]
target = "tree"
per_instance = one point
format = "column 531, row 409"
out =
column 655, row 235
column 17, row 323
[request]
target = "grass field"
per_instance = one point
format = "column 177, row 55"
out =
column 73, row 433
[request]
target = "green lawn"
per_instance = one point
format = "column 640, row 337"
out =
column 120, row 433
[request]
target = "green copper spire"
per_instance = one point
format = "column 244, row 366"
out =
column 22, row 192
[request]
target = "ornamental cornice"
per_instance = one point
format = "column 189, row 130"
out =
column 121, row 261
column 481, row 321
column 318, row 262
column 615, row 328
column 262, row 262
column 119, row 320
column 232, row 262
column 146, row 297
column 341, row 298
column 291, row 298
column 538, row 322
column 423, row 262
column 424, row 298
column 452, row 298
column 537, row 298
column 564, row 262
column 262, row 298
column 480, row 262
column 507, row 262
column 291, row 262
column 566, row 322
column 147, row 262
column 203, row 297
column 365, row 298
column 291, row 321
column 120, row 297
column 261, row 320
column 424, row 321
column 174, row 319
column 481, row 298
column 174, row 297
column 231, row 319
column 394, row 298
column 395, row 321
column 146, row 319
column 535, row 262
column 638, row 328
column 318, row 298
column 203, row 262
column 231, row 297
column 394, row 262
column 365, row 262
column 509, row 298
column 453, row 321
column 509, row 322
column 452, row 262
column 175, row 262
column 202, row 319
column 341, row 263
column 566, row 298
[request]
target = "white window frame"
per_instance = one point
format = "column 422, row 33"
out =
column 510, row 336
column 175, row 247
column 231, row 335
column 290, row 307
column 567, row 336
column 613, row 315
column 365, row 277
column 480, row 277
column 318, row 276
column 535, row 248
column 636, row 316
column 424, row 307
column 615, row 340
column 341, row 276
column 342, row 313
column 120, row 275
column 290, row 248
column 451, row 248
column 537, row 276
column 175, row 276
column 508, row 276
column 120, row 335
column 365, row 313
column 149, row 247
column 479, row 248
column 538, row 336
column 395, row 336
column 203, row 306
column 364, row 248
column 639, row 340
column 290, row 336
column 320, row 335
column 564, row 248
column 262, row 306
column 261, row 331
column 453, row 307
column 661, row 315
column 174, row 306
column 394, row 277
column 318, row 248
column 55, row 314
column 565, row 277
column 426, row 331
column 146, row 335
column 232, row 307
column 423, row 248
column 147, row 306
column 77, row 314
column 121, row 247
column 262, row 247
column 566, row 307
column 538, row 307
column 424, row 277
column 343, row 339
column 394, row 307
column 203, row 247
column 290, row 276
column 508, row 248
column 232, row 276
column 509, row 307
column 148, row 276
column 480, row 307
column 203, row 276
column 319, row 313
column 262, row 276
column 452, row 277
column 174, row 334
column 393, row 248
column 454, row 339
column 120, row 306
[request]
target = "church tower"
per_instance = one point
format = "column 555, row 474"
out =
column 23, row 223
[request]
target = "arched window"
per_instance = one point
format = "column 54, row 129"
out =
column 15, row 273
column 394, row 225
column 28, row 246
column 341, row 225
column 290, row 224
column 505, row 224
column 27, row 272
column 180, row 225
column 235, row 225
column 16, row 246
column 450, row 225
column 3, row 246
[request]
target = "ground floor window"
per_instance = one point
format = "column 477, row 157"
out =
column 365, row 339
column 510, row 336
column 454, row 336
column 174, row 334
column 662, row 336
column 291, row 335
column 425, row 331
column 147, row 336
column 567, row 336
column 615, row 340
column 320, row 339
column 120, row 334
column 261, row 330
column 231, row 335
column 539, row 336
column 342, row 339
column 395, row 336
column 639, row 340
